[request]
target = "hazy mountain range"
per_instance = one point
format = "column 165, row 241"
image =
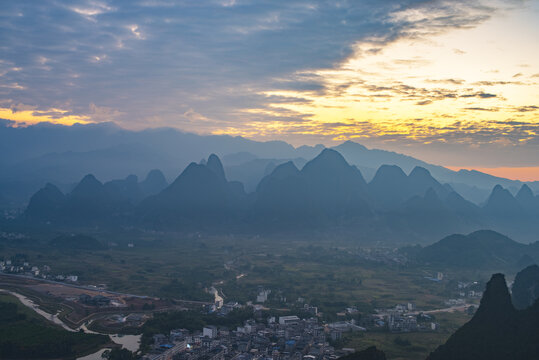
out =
column 326, row 194
column 37, row 154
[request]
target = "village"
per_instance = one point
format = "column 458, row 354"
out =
column 286, row 337
column 303, row 333
column 283, row 337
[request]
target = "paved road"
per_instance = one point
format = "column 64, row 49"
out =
column 26, row 277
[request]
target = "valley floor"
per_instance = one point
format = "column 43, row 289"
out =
column 142, row 275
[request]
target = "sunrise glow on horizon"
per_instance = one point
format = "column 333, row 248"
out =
column 452, row 83
column 514, row 173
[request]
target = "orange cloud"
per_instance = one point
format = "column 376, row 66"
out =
column 30, row 117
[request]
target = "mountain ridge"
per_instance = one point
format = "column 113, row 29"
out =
column 326, row 193
column 62, row 155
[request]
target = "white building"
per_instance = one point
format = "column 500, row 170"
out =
column 263, row 296
column 440, row 276
column 209, row 331
column 288, row 320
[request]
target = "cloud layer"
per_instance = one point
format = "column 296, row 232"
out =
column 304, row 71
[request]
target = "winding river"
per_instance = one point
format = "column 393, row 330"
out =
column 129, row 342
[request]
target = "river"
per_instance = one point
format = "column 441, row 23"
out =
column 129, row 342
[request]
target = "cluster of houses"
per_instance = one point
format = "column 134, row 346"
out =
column 27, row 269
column 222, row 309
column 464, row 292
column 469, row 289
column 11, row 267
column 401, row 318
column 283, row 338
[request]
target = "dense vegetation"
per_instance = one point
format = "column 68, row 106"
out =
column 186, row 289
column 371, row 353
column 525, row 289
column 78, row 242
column 23, row 336
column 482, row 249
column 120, row 354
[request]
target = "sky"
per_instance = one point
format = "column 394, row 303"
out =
column 454, row 83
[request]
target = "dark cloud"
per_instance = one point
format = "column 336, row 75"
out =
column 209, row 65
column 494, row 83
column 422, row 95
column 480, row 94
column 446, row 81
column 526, row 108
column 481, row 109
column 152, row 60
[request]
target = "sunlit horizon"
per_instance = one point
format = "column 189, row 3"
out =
column 451, row 83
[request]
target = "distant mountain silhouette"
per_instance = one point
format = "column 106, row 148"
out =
column 214, row 164
column 483, row 249
column 325, row 190
column 251, row 172
column 46, row 204
column 127, row 188
column 200, row 195
column 154, row 183
column 359, row 155
column 473, row 185
column 525, row 195
column 283, row 197
column 90, row 201
column 511, row 215
column 335, row 185
column 502, row 203
column 497, row 330
column 436, row 213
column 390, row 186
column 427, row 215
column 61, row 155
column 456, row 203
column 326, row 193
column 527, row 201
column 525, row 289
column 420, row 179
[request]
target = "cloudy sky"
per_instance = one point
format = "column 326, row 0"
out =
column 451, row 82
